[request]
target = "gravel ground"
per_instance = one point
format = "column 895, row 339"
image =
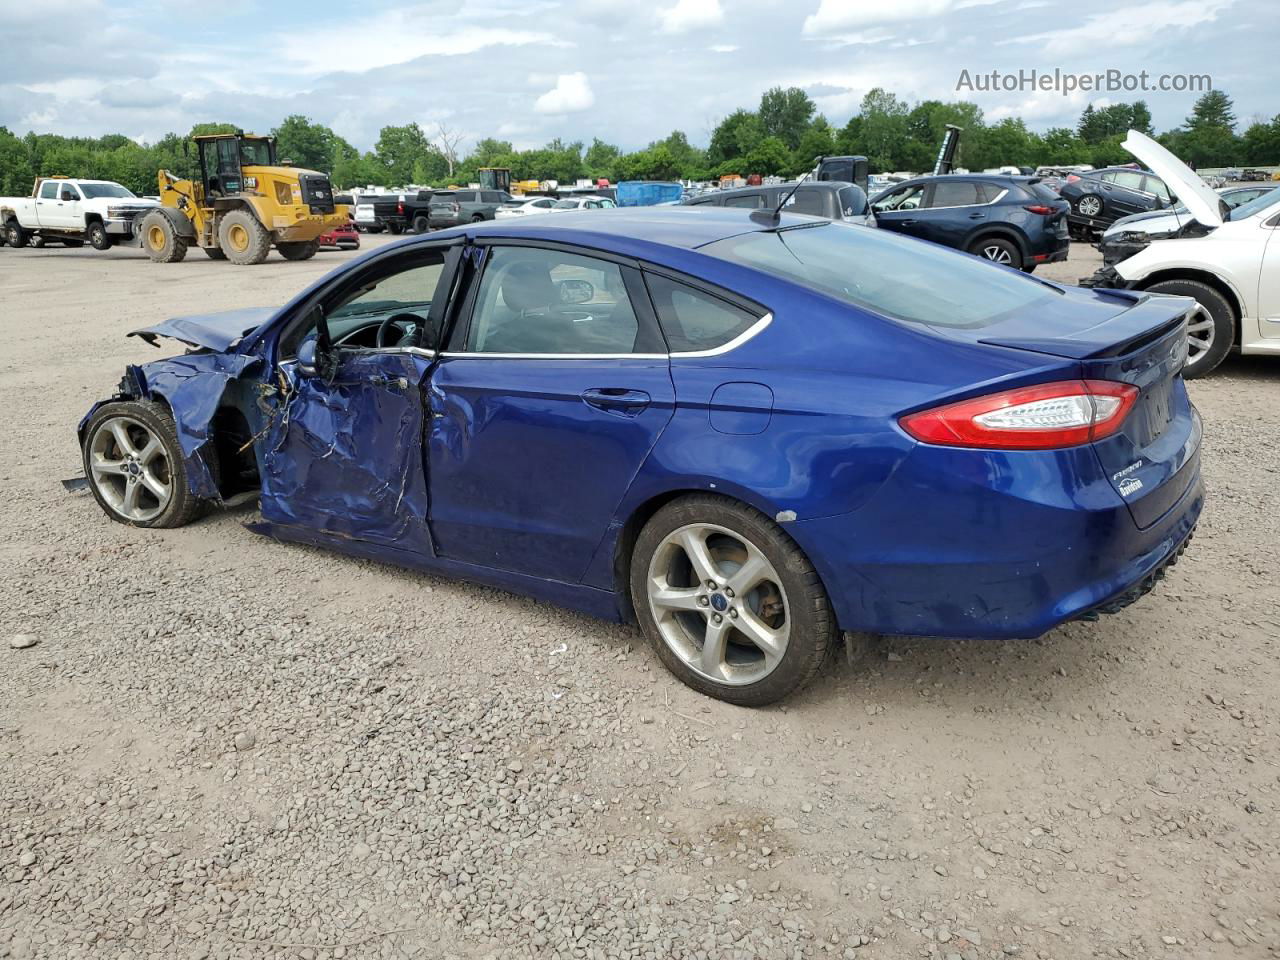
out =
column 217, row 745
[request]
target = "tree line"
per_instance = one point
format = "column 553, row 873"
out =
column 782, row 136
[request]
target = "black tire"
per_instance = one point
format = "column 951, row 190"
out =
column 98, row 237
column 395, row 228
column 37, row 242
column 373, row 229
column 997, row 250
column 160, row 238
column 420, row 224
column 1224, row 323
column 478, row 218
column 182, row 507
column 14, row 235
column 214, row 253
column 812, row 627
column 243, row 239
column 299, row 251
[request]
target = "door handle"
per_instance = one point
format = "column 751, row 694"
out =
column 616, row 399
column 911, row 220
column 977, row 216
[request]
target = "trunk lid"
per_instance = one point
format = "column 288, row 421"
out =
column 1151, row 460
column 1205, row 205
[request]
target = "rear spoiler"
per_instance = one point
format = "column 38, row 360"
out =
column 1151, row 317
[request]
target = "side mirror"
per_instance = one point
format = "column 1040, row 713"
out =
column 576, row 291
column 308, row 358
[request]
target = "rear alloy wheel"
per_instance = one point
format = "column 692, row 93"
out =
column 1211, row 329
column 161, row 240
column 135, row 467
column 299, row 251
column 998, row 251
column 730, row 604
column 99, row 239
column 243, row 239
column 1089, row 206
column 14, row 235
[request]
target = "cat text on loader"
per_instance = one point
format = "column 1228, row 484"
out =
column 240, row 204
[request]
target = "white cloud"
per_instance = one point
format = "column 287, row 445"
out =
column 571, row 94
column 1124, row 26
column 834, row 16
column 723, row 47
column 690, row 14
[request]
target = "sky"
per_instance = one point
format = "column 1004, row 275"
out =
column 630, row 72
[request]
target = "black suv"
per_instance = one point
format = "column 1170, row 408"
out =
column 1017, row 221
column 1101, row 197
column 832, row 199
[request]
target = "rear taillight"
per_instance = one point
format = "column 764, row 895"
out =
column 1043, row 417
column 1041, row 209
column 1072, row 178
column 400, row 208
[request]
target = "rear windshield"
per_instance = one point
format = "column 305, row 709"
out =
column 892, row 275
column 1043, row 192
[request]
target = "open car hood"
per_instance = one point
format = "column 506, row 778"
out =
column 217, row 331
column 1205, row 205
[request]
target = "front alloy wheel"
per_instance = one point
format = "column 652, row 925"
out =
column 729, row 602
column 135, row 468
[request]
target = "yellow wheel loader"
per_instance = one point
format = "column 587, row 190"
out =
column 242, row 203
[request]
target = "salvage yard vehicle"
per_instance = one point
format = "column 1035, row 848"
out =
column 1165, row 223
column 449, row 208
column 745, row 433
column 524, row 207
column 1015, row 221
column 243, row 203
column 1227, row 260
column 1100, row 197
column 344, row 237
column 72, row 211
column 826, row 198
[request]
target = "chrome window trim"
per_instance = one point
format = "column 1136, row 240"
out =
column 724, row 348
column 960, row 206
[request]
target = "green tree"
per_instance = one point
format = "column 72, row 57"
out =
column 785, row 113
column 1060, row 145
column 1259, row 146
column 881, row 130
column 307, row 144
column 16, row 174
column 1213, row 110
column 769, row 157
column 398, row 149
column 734, row 136
column 819, row 140
column 601, row 159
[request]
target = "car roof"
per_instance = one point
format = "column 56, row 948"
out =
column 1004, row 179
column 820, row 184
column 635, row 230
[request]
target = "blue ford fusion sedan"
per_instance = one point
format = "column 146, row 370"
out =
column 747, row 434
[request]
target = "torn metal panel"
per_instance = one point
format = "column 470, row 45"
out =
column 346, row 456
column 217, row 331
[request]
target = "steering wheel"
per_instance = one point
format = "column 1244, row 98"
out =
column 410, row 320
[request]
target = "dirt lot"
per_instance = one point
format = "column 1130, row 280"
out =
column 221, row 746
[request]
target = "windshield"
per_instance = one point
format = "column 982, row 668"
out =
column 895, row 276
column 1256, row 205
column 93, row 191
column 255, row 153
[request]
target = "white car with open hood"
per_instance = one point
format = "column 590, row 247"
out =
column 1228, row 261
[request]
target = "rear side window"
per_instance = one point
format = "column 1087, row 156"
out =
column 49, row 190
column 1156, row 185
column 752, row 201
column 694, row 320
column 809, row 201
column 702, row 200
column 491, row 196
column 853, row 201
column 955, row 194
column 1129, row 179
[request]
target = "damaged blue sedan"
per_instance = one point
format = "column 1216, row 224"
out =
column 745, row 433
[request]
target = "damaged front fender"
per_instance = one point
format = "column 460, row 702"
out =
column 192, row 386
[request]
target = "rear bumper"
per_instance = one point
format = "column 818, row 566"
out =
column 966, row 544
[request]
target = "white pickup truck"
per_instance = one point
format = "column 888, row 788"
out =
column 71, row 211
